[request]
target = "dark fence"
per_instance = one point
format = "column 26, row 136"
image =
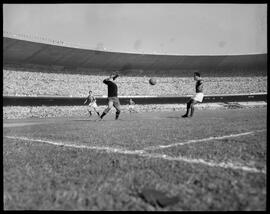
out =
column 78, row 101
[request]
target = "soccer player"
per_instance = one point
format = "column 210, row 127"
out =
column 131, row 105
column 113, row 100
column 92, row 104
column 197, row 98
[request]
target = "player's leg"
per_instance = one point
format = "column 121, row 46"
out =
column 133, row 110
column 89, row 110
column 117, row 106
column 193, row 102
column 95, row 109
column 198, row 98
column 188, row 108
column 130, row 109
column 110, row 105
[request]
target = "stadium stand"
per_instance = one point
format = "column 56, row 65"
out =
column 30, row 83
column 54, row 68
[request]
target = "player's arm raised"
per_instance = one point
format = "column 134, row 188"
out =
column 111, row 77
column 115, row 76
column 107, row 79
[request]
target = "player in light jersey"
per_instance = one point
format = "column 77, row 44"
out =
column 92, row 104
column 131, row 106
column 197, row 98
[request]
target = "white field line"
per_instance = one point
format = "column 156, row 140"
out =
column 202, row 140
column 230, row 165
column 21, row 124
column 67, row 144
column 143, row 153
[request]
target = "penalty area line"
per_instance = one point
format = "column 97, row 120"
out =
column 143, row 153
column 202, row 140
column 68, row 144
column 230, row 165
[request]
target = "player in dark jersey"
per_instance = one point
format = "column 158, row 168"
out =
column 113, row 100
column 197, row 98
column 92, row 104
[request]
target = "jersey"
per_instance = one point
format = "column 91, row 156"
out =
column 91, row 99
column 112, row 88
column 199, row 86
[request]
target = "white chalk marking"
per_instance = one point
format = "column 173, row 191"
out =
column 19, row 124
column 67, row 144
column 202, row 140
column 230, row 165
column 145, row 154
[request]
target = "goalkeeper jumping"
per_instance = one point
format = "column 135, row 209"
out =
column 113, row 100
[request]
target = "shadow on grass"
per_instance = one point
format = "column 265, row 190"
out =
column 89, row 120
column 175, row 117
column 97, row 120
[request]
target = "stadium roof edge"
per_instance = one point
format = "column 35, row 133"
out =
column 44, row 40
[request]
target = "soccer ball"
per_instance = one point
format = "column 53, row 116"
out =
column 153, row 81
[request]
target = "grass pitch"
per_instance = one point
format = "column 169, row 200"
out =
column 213, row 161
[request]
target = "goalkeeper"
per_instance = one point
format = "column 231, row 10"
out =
column 113, row 100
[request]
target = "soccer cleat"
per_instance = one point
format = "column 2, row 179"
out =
column 99, row 119
column 185, row 116
column 103, row 114
column 90, row 113
column 117, row 115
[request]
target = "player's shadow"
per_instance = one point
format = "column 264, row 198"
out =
column 97, row 120
column 175, row 117
column 85, row 120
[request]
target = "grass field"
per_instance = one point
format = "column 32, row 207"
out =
column 213, row 161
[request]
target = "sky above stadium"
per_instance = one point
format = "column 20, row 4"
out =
column 192, row 29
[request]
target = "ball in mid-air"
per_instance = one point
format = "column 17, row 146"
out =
column 152, row 81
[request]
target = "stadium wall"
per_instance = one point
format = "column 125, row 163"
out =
column 78, row 101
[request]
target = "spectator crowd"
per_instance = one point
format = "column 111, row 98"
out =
column 21, row 82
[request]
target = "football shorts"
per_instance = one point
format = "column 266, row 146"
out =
column 198, row 97
column 92, row 105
